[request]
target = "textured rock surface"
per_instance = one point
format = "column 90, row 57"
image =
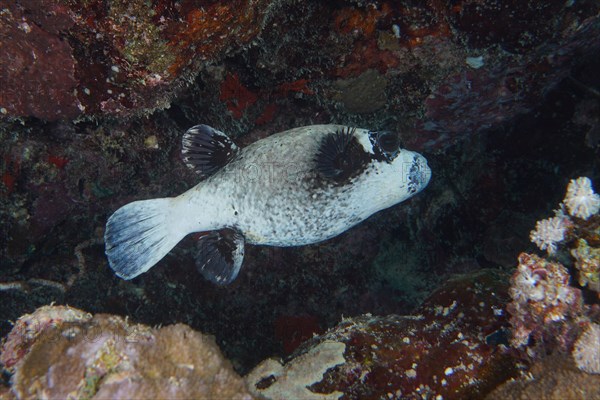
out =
column 60, row 352
column 448, row 348
column 552, row 378
column 62, row 59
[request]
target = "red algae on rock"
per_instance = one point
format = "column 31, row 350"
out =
column 236, row 96
column 120, row 58
column 445, row 349
column 37, row 77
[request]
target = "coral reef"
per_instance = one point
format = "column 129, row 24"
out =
column 435, row 59
column 552, row 378
column 29, row 327
column 549, row 232
column 61, row 352
column 547, row 312
column 474, row 98
column 587, row 263
column 450, row 347
column 95, row 95
column 544, row 306
column 66, row 58
column 569, row 231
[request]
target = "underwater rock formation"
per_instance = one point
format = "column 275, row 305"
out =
column 444, row 61
column 552, row 378
column 450, row 347
column 61, row 352
column 63, row 59
column 436, row 72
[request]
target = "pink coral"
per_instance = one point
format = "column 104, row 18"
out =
column 541, row 300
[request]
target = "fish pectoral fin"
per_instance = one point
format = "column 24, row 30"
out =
column 220, row 254
column 206, row 150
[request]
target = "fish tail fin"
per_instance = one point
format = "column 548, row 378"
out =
column 140, row 234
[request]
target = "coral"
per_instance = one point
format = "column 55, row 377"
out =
column 547, row 311
column 448, row 348
column 519, row 30
column 147, row 52
column 29, row 327
column 541, row 301
column 586, row 352
column 548, row 232
column 564, row 231
column 471, row 100
column 105, row 356
column 272, row 380
column 587, row 262
column 581, row 201
column 551, row 378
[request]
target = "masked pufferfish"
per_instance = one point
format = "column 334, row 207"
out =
column 294, row 188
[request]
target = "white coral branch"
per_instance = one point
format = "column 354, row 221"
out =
column 549, row 232
column 581, row 201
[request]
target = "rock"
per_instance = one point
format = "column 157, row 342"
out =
column 61, row 352
column 551, row 378
column 67, row 59
column 450, row 347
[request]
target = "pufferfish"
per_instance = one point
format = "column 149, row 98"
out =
column 293, row 188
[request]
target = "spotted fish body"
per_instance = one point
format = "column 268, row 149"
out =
column 297, row 187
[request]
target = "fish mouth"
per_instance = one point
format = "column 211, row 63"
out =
column 418, row 175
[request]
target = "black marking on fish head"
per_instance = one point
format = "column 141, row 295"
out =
column 386, row 145
column 206, row 150
column 341, row 157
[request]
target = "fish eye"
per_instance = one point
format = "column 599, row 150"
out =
column 388, row 143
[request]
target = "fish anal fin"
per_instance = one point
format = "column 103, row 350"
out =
column 220, row 255
column 206, row 150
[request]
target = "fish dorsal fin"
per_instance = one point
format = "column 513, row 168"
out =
column 220, row 255
column 206, row 150
column 340, row 156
